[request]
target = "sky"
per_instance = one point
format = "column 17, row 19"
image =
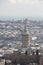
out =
column 21, row 8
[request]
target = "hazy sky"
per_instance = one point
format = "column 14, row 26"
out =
column 21, row 8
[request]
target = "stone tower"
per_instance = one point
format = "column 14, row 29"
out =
column 25, row 36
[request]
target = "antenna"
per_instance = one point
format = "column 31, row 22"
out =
column 25, row 24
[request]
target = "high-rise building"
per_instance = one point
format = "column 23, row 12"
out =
column 25, row 37
column 25, row 40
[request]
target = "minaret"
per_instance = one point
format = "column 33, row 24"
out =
column 25, row 37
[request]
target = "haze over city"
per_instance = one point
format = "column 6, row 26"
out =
column 21, row 32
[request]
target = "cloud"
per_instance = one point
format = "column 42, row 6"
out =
column 40, row 0
column 20, row 1
column 30, row 2
column 21, row 7
column 23, row 1
column 12, row 1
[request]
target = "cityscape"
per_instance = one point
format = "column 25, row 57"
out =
column 21, row 39
column 21, row 32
